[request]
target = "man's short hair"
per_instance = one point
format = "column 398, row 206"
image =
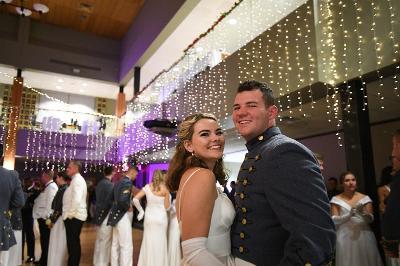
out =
column 251, row 85
column 1, row 150
column 333, row 179
column 108, row 170
column 77, row 164
column 319, row 156
column 49, row 173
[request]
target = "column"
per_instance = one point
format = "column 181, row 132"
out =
column 358, row 144
column 12, row 129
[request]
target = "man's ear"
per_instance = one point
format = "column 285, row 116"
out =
column 188, row 145
column 273, row 112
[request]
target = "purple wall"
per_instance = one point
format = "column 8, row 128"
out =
column 151, row 20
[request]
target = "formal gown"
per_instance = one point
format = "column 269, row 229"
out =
column 355, row 242
column 153, row 251
column 174, row 242
column 219, row 236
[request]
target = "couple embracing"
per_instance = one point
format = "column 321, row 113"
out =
column 281, row 214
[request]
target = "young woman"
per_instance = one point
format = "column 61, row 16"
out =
column 352, row 212
column 57, row 254
column 204, row 213
column 153, row 251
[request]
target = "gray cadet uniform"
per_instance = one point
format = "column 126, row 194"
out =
column 104, row 190
column 102, row 246
column 282, row 208
column 121, row 220
column 11, row 197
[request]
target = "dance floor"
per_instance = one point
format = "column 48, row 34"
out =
column 88, row 237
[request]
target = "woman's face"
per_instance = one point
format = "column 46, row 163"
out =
column 349, row 182
column 207, row 141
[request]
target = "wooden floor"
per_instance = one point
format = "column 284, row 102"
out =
column 88, row 237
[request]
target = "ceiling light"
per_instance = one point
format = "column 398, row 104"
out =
column 84, row 84
column 24, row 11
column 232, row 21
column 81, row 90
column 60, row 80
column 41, row 8
column 58, row 87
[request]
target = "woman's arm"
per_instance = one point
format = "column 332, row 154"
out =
column 196, row 206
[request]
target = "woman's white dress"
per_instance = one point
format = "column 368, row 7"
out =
column 174, row 241
column 355, row 242
column 219, row 236
column 153, row 251
column 58, row 254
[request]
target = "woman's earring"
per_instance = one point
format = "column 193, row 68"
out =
column 192, row 153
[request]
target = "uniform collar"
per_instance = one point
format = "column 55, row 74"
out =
column 266, row 135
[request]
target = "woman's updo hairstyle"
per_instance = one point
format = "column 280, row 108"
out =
column 183, row 160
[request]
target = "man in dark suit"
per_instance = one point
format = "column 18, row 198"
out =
column 11, row 197
column 282, row 209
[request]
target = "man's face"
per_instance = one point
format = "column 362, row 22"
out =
column 396, row 154
column 72, row 169
column 250, row 115
column 132, row 174
column 44, row 179
column 332, row 184
column 321, row 165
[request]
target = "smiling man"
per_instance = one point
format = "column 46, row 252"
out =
column 282, row 209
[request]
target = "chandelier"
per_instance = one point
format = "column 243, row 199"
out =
column 24, row 11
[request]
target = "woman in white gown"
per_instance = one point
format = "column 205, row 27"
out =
column 153, row 251
column 204, row 213
column 352, row 212
column 174, row 237
column 58, row 253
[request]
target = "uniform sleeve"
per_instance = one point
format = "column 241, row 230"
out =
column 124, row 196
column 297, row 194
column 18, row 197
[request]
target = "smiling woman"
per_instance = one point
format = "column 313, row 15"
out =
column 195, row 166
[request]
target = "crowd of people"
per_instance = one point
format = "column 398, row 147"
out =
column 278, row 212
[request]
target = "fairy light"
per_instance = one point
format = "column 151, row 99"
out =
column 378, row 55
column 396, row 48
column 311, row 61
column 359, row 54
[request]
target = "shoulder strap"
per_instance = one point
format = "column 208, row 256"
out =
column 184, row 184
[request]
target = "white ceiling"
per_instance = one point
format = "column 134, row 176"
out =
column 62, row 83
column 198, row 21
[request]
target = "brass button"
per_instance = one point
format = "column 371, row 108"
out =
column 241, row 249
column 241, row 235
column 260, row 137
column 251, row 168
column 258, row 157
column 245, row 182
column 242, row 195
column 244, row 209
column 244, row 221
column 307, row 264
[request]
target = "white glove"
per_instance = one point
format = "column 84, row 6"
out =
column 137, row 205
column 340, row 219
column 195, row 253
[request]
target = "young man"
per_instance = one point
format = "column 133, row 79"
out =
column 120, row 218
column 102, row 246
column 283, row 214
column 74, row 211
column 11, row 197
column 42, row 211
